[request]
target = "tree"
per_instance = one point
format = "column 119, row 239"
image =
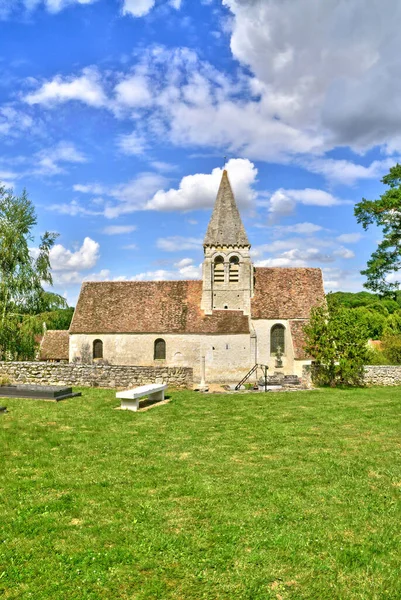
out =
column 385, row 212
column 337, row 341
column 21, row 273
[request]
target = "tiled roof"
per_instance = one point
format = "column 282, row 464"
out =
column 286, row 293
column 174, row 306
column 225, row 226
column 299, row 339
column 150, row 307
column 55, row 345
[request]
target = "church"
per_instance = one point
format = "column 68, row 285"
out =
column 237, row 316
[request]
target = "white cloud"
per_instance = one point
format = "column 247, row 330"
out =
column 137, row 8
column 344, row 253
column 85, row 257
column 200, row 190
column 8, row 7
column 327, row 66
column 146, row 192
column 347, row 172
column 132, row 144
column 177, row 243
column 86, row 88
column 119, row 229
column 134, row 91
column 13, row 121
column 283, row 202
column 349, row 238
column 72, row 209
column 300, row 228
column 48, row 161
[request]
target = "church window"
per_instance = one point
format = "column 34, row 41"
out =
column 234, row 269
column 98, row 349
column 218, row 273
column 160, row 350
column 277, row 339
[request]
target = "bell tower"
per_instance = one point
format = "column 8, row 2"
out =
column 227, row 266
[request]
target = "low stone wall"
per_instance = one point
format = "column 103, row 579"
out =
column 383, row 375
column 45, row 373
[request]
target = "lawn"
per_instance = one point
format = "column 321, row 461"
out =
column 237, row 496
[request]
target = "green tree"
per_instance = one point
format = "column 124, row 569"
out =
column 337, row 341
column 386, row 214
column 21, row 273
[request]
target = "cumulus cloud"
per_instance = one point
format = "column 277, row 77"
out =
column 137, row 8
column 119, row 229
column 325, row 65
column 132, row 144
column 199, row 191
column 349, row 238
column 86, row 88
column 283, row 202
column 49, row 161
column 85, row 257
column 146, row 191
column 348, row 172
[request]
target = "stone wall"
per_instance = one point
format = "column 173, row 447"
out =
column 45, row 373
column 383, row 375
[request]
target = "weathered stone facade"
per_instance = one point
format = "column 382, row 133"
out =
column 45, row 373
column 228, row 357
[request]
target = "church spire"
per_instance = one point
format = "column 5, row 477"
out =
column 226, row 227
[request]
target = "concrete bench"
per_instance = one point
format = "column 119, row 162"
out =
column 130, row 398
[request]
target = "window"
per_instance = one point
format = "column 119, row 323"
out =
column 218, row 273
column 234, row 269
column 277, row 338
column 160, row 350
column 98, row 349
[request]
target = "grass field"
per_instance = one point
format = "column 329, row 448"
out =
column 238, row 497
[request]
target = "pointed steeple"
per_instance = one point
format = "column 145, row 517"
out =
column 225, row 226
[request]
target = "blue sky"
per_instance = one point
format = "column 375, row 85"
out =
column 119, row 115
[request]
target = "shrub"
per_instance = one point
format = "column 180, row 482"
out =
column 5, row 380
column 392, row 348
column 337, row 340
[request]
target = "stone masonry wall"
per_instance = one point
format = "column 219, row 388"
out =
column 46, row 373
column 383, row 375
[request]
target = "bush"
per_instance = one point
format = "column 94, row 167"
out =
column 5, row 380
column 377, row 357
column 337, row 340
column 392, row 348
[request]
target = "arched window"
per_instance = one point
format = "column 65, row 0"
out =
column 234, row 269
column 160, row 350
column 277, row 339
column 218, row 271
column 98, row 349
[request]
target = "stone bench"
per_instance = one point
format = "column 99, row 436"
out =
column 130, row 398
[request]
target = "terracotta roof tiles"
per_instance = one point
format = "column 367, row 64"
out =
column 54, row 345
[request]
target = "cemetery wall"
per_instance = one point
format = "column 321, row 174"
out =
column 385, row 375
column 106, row 376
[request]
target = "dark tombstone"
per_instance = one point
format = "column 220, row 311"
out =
column 38, row 392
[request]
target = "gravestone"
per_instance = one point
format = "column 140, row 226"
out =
column 38, row 392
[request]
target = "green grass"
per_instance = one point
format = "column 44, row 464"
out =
column 237, row 497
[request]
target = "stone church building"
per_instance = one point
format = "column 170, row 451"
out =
column 237, row 316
